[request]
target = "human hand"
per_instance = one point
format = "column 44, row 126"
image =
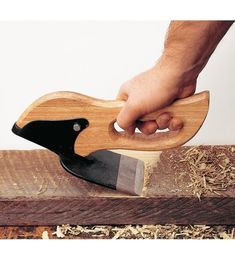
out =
column 187, row 48
column 150, row 91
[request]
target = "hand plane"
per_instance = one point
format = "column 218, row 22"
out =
column 80, row 130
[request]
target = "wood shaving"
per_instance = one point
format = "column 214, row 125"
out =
column 43, row 187
column 45, row 235
column 148, row 232
column 209, row 170
column 224, row 235
column 59, row 232
column 233, row 233
column 147, row 174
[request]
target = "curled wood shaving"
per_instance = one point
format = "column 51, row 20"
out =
column 149, row 232
column 209, row 171
column 59, row 232
column 45, row 235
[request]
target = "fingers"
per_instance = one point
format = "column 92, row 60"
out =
column 163, row 121
column 132, row 111
column 175, row 124
column 148, row 127
column 123, row 92
column 144, row 95
column 124, row 120
column 127, row 117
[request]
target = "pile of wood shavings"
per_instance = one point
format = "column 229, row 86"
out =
column 209, row 170
column 146, row 232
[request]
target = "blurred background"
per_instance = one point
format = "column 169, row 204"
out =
column 95, row 58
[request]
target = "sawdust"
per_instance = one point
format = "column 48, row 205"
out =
column 147, row 232
column 210, row 170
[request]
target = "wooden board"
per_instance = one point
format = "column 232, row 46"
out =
column 35, row 190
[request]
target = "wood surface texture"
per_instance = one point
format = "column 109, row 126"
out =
column 102, row 115
column 36, row 190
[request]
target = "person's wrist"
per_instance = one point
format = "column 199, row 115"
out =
column 180, row 68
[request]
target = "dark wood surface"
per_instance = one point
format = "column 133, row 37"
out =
column 35, row 190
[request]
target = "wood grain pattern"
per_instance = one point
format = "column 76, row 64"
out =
column 102, row 115
column 35, row 190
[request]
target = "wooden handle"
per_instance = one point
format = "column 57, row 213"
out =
column 101, row 114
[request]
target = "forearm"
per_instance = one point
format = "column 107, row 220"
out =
column 189, row 45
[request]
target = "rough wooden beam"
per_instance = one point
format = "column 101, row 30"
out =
column 35, row 190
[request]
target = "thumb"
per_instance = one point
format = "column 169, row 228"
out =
column 128, row 115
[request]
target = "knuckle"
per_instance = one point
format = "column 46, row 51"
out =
column 147, row 131
column 123, row 92
column 124, row 88
column 149, row 128
column 136, row 107
column 176, row 124
column 163, row 120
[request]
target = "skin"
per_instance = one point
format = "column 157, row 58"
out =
column 187, row 49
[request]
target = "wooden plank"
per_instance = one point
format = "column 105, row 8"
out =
column 35, row 190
